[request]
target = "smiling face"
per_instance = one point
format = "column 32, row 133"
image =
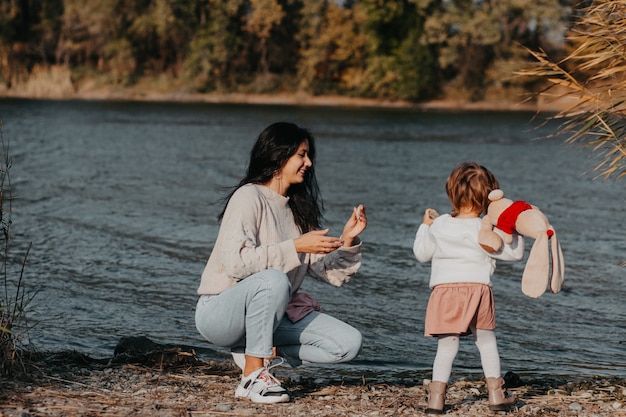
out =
column 283, row 159
column 292, row 172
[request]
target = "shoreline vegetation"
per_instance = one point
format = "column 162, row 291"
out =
column 148, row 379
column 55, row 84
column 295, row 99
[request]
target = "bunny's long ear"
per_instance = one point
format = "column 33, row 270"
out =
column 558, row 266
column 536, row 273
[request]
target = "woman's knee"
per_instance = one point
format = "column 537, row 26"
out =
column 341, row 341
column 353, row 341
column 345, row 345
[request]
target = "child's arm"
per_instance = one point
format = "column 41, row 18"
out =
column 424, row 247
column 429, row 216
column 513, row 251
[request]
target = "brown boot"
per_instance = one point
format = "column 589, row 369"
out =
column 499, row 399
column 436, row 397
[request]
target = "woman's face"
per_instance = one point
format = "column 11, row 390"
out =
column 294, row 169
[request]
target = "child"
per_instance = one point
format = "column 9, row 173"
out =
column 461, row 302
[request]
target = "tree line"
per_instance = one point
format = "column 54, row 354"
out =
column 395, row 49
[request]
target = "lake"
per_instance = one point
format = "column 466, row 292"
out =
column 120, row 200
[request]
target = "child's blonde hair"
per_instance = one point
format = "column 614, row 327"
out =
column 468, row 185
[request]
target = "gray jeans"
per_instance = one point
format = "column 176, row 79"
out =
column 251, row 314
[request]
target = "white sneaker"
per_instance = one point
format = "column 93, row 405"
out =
column 261, row 387
column 240, row 360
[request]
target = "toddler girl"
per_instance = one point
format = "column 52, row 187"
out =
column 461, row 302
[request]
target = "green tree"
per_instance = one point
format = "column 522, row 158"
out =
column 10, row 42
column 263, row 17
column 400, row 63
column 243, row 45
column 28, row 35
column 160, row 34
column 333, row 48
column 272, row 43
column 216, row 54
column 86, row 26
column 45, row 29
column 477, row 41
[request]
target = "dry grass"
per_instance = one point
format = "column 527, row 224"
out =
column 13, row 296
column 593, row 78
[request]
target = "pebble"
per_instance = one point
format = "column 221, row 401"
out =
column 246, row 412
column 531, row 410
column 575, row 407
column 223, row 408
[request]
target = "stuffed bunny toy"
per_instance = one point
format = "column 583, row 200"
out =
column 527, row 220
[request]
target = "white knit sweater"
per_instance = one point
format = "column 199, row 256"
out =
column 256, row 233
column 452, row 246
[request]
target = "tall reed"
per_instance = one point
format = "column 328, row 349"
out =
column 592, row 78
column 13, row 298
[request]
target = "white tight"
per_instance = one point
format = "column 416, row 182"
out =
column 448, row 347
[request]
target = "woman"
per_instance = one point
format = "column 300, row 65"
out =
column 270, row 237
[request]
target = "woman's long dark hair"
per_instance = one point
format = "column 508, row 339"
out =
column 274, row 146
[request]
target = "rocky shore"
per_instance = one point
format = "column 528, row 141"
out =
column 164, row 382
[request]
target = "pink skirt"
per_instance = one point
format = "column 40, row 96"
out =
column 455, row 308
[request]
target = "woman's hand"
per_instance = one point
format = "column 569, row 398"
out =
column 316, row 241
column 354, row 226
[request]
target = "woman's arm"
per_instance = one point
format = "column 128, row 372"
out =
column 316, row 241
column 338, row 267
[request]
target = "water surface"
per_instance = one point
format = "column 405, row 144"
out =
column 119, row 202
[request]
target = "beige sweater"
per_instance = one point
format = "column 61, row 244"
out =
column 257, row 233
